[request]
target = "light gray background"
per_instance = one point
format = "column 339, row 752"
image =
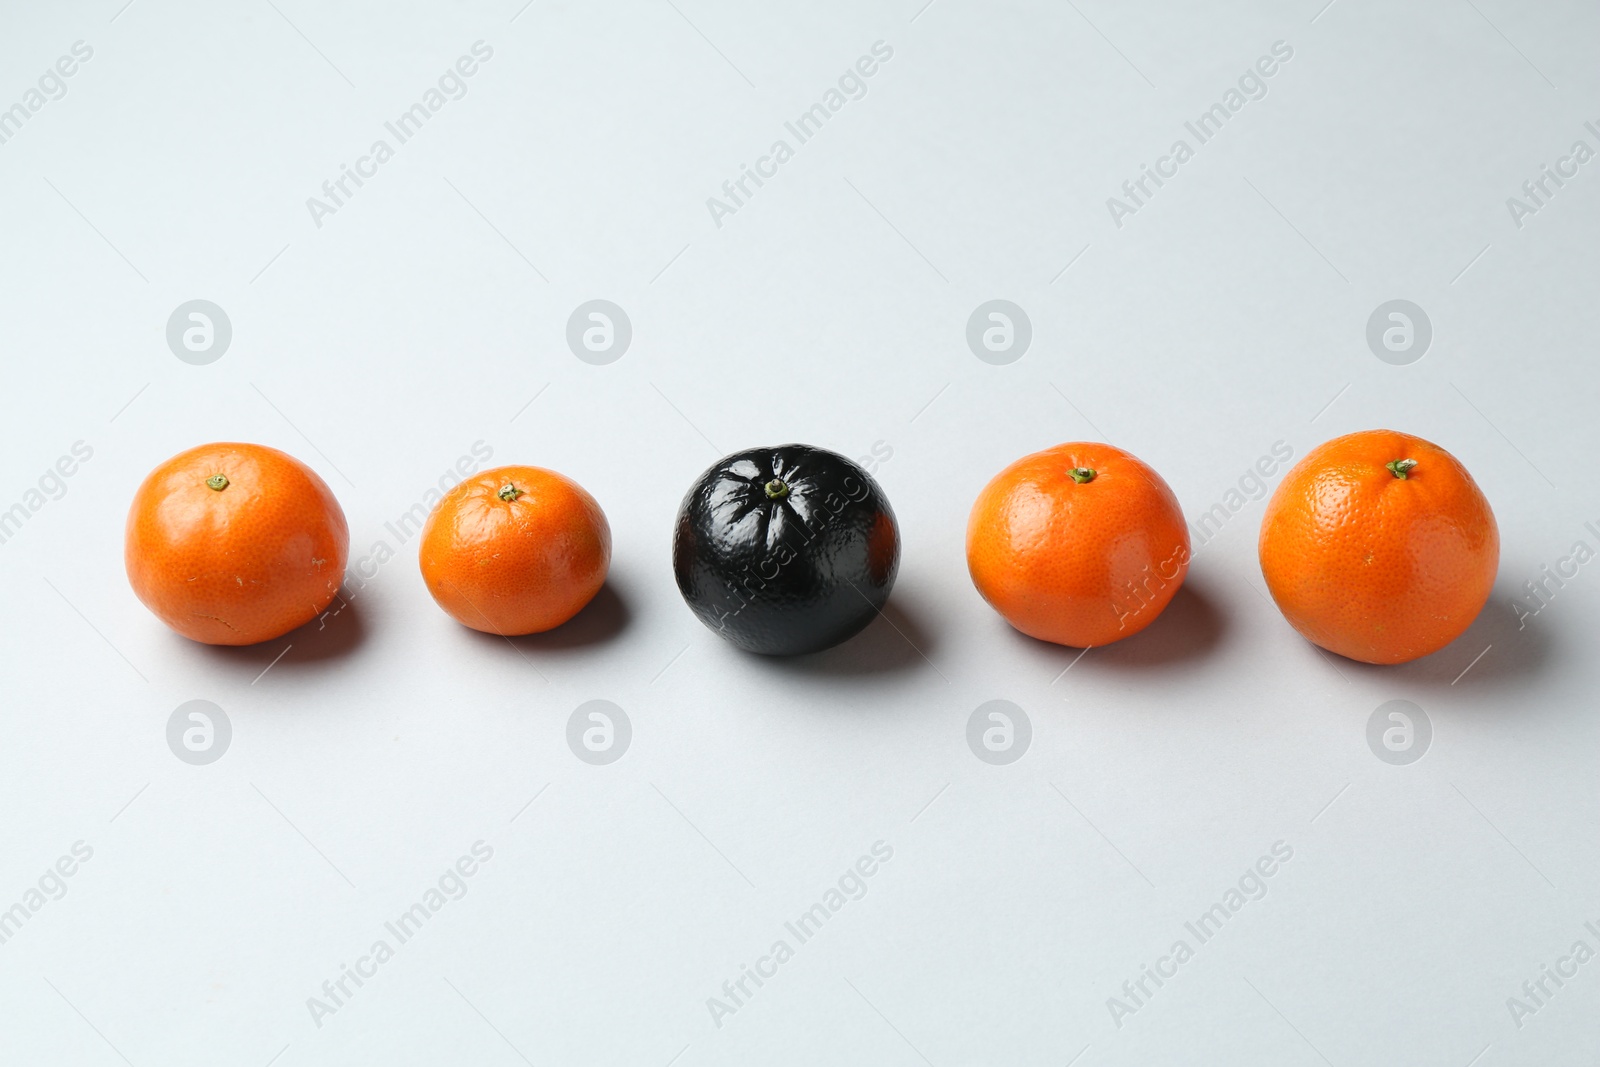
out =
column 1227, row 315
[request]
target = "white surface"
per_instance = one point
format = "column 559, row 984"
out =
column 381, row 346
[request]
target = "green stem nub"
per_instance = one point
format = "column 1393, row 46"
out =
column 776, row 489
column 1400, row 467
column 219, row 482
column 509, row 492
column 1082, row 475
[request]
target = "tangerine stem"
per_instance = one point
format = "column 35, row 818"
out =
column 1400, row 467
column 1082, row 475
column 776, row 489
column 509, row 492
column 219, row 482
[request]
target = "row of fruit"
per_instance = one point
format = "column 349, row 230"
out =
column 1378, row 546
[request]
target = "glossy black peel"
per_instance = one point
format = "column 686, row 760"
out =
column 785, row 550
